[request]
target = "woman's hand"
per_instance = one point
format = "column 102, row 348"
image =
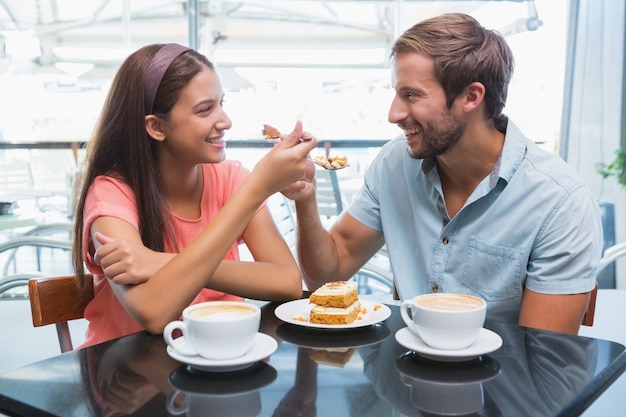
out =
column 288, row 162
column 304, row 188
column 127, row 261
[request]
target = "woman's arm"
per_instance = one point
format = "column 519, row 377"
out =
column 161, row 299
column 274, row 275
column 124, row 259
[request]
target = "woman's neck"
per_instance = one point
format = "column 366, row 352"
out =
column 183, row 192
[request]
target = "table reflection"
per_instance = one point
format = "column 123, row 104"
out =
column 300, row 399
column 534, row 373
column 194, row 393
column 361, row 372
column 128, row 376
column 446, row 389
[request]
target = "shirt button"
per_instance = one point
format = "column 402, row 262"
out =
column 445, row 241
column 434, row 287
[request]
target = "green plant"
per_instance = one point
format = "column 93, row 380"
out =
column 617, row 168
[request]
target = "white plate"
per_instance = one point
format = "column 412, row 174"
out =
column 487, row 342
column 376, row 312
column 263, row 347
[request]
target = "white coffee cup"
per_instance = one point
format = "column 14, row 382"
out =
column 446, row 321
column 215, row 330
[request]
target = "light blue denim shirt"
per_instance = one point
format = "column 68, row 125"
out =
column 531, row 223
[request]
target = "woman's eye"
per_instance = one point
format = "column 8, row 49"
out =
column 210, row 106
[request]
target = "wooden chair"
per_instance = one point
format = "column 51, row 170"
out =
column 56, row 300
column 591, row 307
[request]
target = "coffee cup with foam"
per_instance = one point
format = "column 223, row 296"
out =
column 447, row 321
column 215, row 330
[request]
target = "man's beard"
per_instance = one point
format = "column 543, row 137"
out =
column 438, row 141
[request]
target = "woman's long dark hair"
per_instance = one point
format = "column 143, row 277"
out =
column 121, row 147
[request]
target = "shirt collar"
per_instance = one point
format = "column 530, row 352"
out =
column 513, row 152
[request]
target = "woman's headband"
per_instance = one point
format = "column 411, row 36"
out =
column 156, row 69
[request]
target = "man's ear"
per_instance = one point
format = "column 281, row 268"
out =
column 154, row 127
column 474, row 96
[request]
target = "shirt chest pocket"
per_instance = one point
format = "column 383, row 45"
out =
column 493, row 272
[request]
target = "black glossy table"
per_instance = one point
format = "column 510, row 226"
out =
column 361, row 372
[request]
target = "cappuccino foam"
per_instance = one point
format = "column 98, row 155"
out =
column 447, row 301
column 221, row 311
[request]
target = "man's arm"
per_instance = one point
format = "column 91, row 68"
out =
column 560, row 313
column 336, row 254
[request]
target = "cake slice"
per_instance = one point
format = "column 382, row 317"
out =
column 338, row 294
column 270, row 132
column 335, row 315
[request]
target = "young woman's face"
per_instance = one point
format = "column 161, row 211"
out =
column 419, row 108
column 197, row 122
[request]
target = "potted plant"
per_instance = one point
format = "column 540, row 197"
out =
column 617, row 168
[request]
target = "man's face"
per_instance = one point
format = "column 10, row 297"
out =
column 419, row 108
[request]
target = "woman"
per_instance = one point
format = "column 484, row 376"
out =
column 160, row 213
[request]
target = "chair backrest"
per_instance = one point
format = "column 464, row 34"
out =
column 15, row 281
column 329, row 199
column 28, row 242
column 611, row 254
column 56, row 300
column 607, row 276
column 282, row 212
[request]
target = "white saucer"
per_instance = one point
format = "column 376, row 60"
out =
column 297, row 312
column 487, row 342
column 263, row 347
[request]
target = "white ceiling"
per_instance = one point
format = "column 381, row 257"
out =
column 103, row 32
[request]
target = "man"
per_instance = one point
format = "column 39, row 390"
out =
column 463, row 201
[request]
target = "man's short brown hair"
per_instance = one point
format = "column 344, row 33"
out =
column 463, row 52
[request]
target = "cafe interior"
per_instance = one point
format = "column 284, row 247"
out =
column 326, row 63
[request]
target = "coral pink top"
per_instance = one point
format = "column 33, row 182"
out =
column 109, row 197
